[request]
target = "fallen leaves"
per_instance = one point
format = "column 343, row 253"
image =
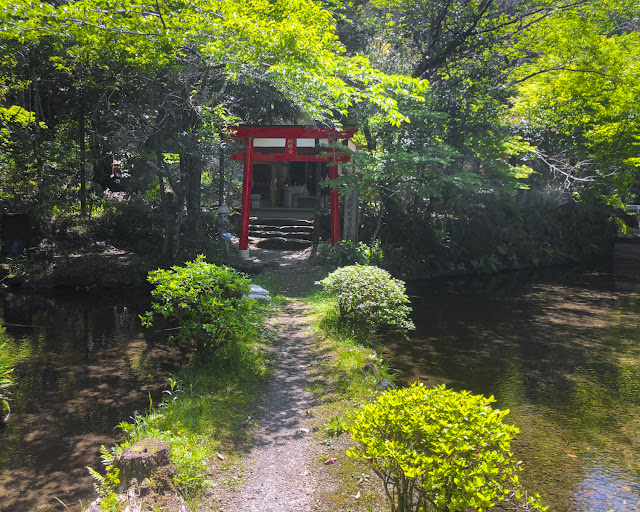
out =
column 331, row 460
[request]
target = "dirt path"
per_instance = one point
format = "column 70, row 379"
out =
column 281, row 466
column 278, row 476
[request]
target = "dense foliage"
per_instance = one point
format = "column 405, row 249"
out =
column 467, row 110
column 149, row 88
column 530, row 107
column 207, row 301
column 346, row 252
column 369, row 297
column 439, row 450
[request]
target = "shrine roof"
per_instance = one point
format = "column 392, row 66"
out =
column 290, row 132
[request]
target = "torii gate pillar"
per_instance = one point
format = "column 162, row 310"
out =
column 246, row 197
column 334, row 199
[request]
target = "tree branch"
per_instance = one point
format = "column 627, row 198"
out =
column 564, row 168
column 561, row 68
column 75, row 21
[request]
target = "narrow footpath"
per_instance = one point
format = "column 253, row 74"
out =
column 278, row 476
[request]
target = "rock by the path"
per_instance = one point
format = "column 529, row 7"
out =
column 383, row 384
column 371, row 368
column 95, row 506
column 258, row 293
column 5, row 411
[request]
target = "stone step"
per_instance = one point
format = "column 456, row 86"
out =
column 279, row 222
column 281, row 243
column 280, row 229
column 280, row 234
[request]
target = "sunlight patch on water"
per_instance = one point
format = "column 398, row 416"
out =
column 604, row 486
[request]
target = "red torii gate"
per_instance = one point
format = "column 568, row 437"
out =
column 290, row 134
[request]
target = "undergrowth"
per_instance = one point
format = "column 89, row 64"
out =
column 350, row 364
column 205, row 417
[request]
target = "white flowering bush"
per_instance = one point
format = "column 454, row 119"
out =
column 369, row 297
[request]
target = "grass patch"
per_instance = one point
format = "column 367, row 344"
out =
column 349, row 365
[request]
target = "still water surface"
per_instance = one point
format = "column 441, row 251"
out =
column 562, row 352
column 87, row 365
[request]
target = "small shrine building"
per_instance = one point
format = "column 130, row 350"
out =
column 285, row 167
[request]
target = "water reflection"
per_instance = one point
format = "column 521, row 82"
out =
column 88, row 365
column 563, row 353
column 603, row 486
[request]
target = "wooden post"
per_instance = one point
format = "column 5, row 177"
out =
column 246, row 197
column 335, row 202
column 350, row 216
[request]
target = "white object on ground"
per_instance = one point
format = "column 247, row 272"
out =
column 258, row 293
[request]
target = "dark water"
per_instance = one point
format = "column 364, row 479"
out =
column 562, row 352
column 86, row 366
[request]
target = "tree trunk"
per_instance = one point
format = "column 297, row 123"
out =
column 221, row 182
column 37, row 153
column 194, row 172
column 167, row 210
column 83, row 158
column 191, row 176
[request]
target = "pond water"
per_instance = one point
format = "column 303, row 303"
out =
column 87, row 365
column 562, row 352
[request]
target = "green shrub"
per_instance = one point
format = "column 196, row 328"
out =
column 5, row 380
column 206, row 300
column 346, row 252
column 7, row 361
column 369, row 297
column 439, row 450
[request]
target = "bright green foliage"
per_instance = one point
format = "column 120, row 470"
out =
column 6, row 364
column 439, row 450
column 250, row 41
column 369, row 297
column 11, row 353
column 578, row 98
column 206, row 300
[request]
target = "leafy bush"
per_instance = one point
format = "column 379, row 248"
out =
column 130, row 224
column 369, row 297
column 206, row 300
column 7, row 362
column 439, row 450
column 347, row 252
column 6, row 370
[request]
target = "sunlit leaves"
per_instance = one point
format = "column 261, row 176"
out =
column 288, row 44
column 437, row 449
column 580, row 93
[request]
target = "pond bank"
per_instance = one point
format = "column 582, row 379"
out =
column 85, row 271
